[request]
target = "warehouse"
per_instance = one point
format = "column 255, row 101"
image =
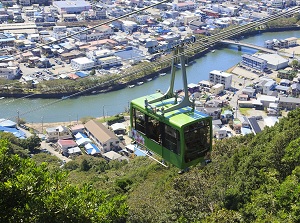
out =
column 72, row 7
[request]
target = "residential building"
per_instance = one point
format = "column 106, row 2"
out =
column 6, row 39
column 268, row 86
column 102, row 136
column 8, row 71
column 65, row 144
column 56, row 133
column 82, row 63
column 292, row 41
column 250, row 92
column 289, row 103
column 217, row 89
column 220, row 77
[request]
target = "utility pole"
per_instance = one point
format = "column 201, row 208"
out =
column 18, row 118
column 103, row 112
column 42, row 124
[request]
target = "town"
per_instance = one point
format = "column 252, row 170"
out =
column 46, row 42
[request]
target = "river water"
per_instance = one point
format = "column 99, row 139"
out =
column 47, row 110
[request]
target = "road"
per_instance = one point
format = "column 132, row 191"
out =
column 53, row 151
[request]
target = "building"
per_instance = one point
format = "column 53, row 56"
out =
column 292, row 41
column 217, row 89
column 254, row 62
column 82, row 63
column 220, row 77
column 60, row 132
column 274, row 61
column 8, row 71
column 105, row 139
column 288, row 103
column 72, row 7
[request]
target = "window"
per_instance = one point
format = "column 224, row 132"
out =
column 197, row 140
column 154, row 129
column 171, row 139
column 139, row 121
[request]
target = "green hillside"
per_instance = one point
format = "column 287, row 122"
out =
column 251, row 179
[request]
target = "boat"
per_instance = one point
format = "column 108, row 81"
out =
column 213, row 51
column 140, row 83
column 149, row 79
column 131, row 86
column 162, row 74
column 2, row 98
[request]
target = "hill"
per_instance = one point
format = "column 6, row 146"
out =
column 252, row 178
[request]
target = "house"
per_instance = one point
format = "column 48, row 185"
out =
column 65, row 144
column 102, row 136
column 254, row 125
column 243, row 97
column 221, row 134
column 118, row 128
column 250, row 92
column 56, row 133
column 213, row 112
column 289, row 103
column 77, row 129
column 226, row 116
column 112, row 155
column 91, row 149
column 244, row 121
column 74, row 151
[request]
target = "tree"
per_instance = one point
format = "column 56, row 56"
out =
column 295, row 64
column 32, row 193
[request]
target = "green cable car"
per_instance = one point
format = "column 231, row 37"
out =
column 170, row 126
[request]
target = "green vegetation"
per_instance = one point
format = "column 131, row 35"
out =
column 252, row 178
column 244, row 111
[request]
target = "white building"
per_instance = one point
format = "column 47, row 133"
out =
column 8, row 72
column 109, row 61
column 82, row 63
column 71, row 7
column 220, row 77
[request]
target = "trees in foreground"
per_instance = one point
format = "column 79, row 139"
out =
column 34, row 193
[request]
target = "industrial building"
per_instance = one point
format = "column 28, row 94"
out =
column 72, row 7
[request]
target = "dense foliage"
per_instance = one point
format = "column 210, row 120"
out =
column 32, row 193
column 252, row 178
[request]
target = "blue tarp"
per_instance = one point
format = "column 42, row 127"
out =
column 81, row 74
column 91, row 149
column 17, row 133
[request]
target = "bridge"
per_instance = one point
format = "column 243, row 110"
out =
column 263, row 49
column 249, row 45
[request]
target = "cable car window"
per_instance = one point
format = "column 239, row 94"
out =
column 197, row 140
column 139, row 121
column 171, row 139
column 154, row 129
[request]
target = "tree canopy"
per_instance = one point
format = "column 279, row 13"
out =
column 32, row 193
column 252, row 178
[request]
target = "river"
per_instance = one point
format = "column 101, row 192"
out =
column 47, row 110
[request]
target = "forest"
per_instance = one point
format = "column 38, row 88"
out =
column 252, row 178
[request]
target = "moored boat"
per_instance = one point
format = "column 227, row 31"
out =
column 131, row 86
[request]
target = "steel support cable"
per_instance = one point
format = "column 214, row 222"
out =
column 157, row 63
column 240, row 29
column 95, row 26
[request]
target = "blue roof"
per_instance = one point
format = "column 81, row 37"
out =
column 16, row 132
column 7, row 123
column 139, row 152
column 81, row 74
column 91, row 149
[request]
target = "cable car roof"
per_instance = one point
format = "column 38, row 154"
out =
column 179, row 117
